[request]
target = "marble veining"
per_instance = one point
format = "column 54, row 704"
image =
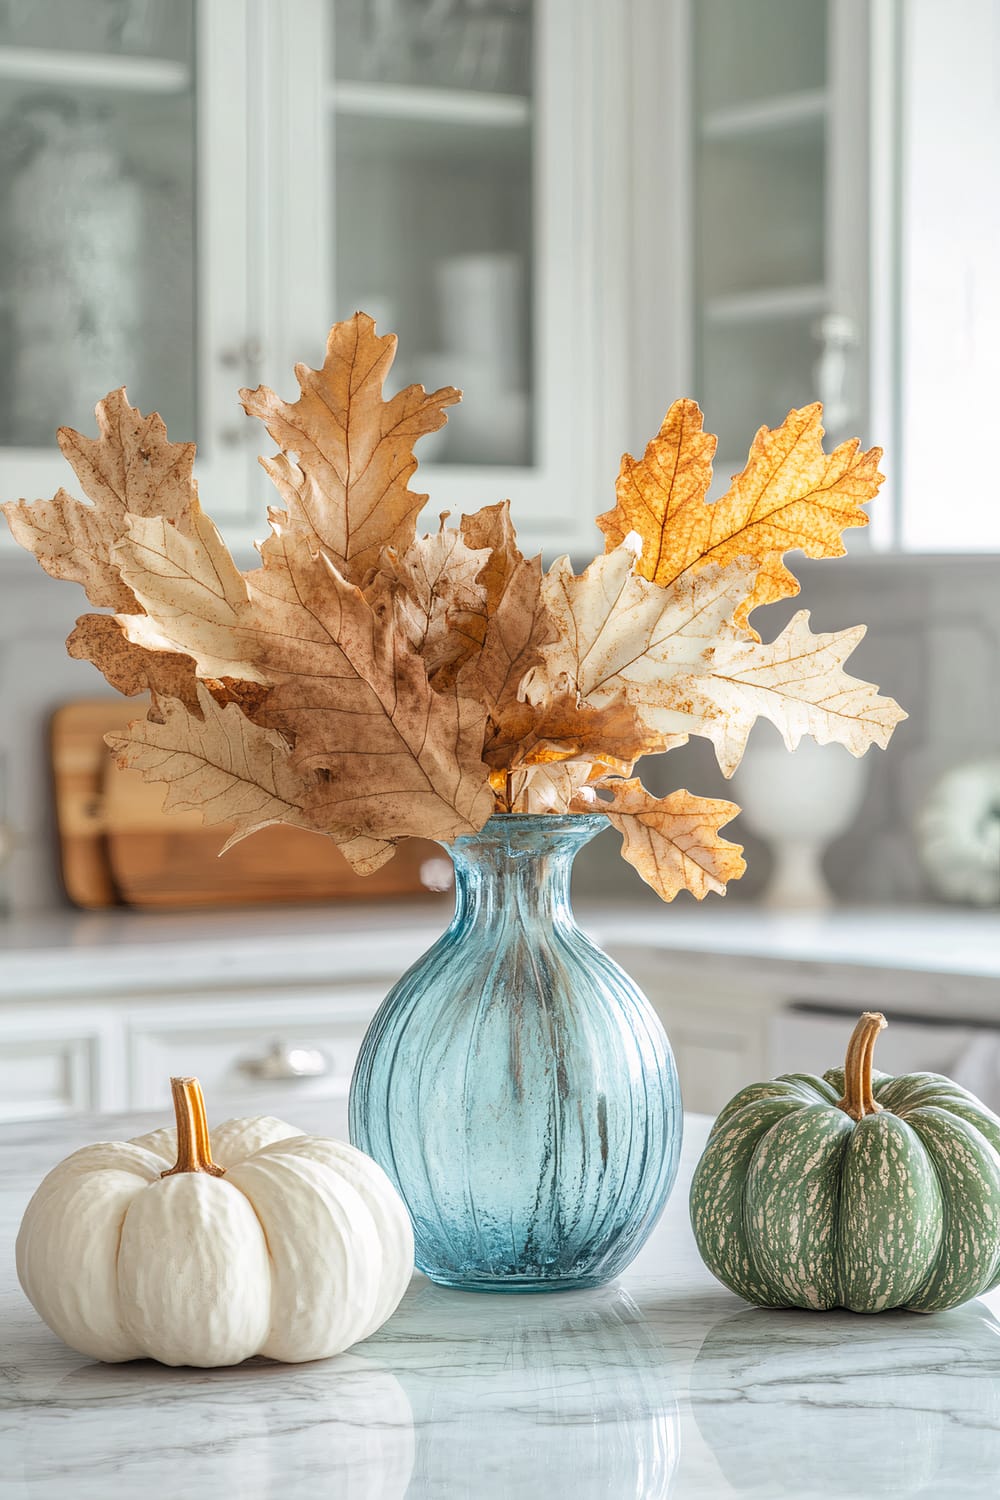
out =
column 662, row 1384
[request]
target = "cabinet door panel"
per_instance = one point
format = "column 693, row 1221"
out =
column 49, row 1076
column 289, row 1047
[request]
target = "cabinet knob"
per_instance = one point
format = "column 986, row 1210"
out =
column 285, row 1060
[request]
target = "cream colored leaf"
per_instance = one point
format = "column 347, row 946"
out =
column 196, row 599
column 674, row 841
column 560, row 787
column 620, row 635
column 791, row 495
column 433, row 592
column 346, row 487
column 130, row 468
column 798, row 682
column 229, row 770
column 129, row 668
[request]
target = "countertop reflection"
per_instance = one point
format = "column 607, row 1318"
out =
column 662, row 1384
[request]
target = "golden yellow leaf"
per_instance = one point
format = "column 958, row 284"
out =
column 674, row 841
column 791, row 495
column 346, row 488
column 669, row 481
column 798, row 682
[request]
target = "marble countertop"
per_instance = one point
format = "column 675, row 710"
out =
column 950, row 956
column 662, row 1384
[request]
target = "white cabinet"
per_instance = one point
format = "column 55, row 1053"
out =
column 57, row 1061
column 232, row 175
column 309, row 1048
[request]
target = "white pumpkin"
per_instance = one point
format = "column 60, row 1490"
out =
column 285, row 1245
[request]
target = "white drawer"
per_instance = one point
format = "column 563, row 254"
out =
column 47, row 1076
column 220, row 1042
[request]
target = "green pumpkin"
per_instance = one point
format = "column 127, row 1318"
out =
column 854, row 1190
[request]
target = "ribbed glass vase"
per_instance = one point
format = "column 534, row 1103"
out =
column 515, row 1084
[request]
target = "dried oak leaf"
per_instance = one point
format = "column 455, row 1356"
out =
column 554, row 788
column 229, row 770
column 129, row 668
column 562, row 729
column 400, row 759
column 130, row 468
column 492, row 528
column 798, row 682
column 433, row 594
column 790, row 495
column 346, row 487
column 622, row 636
column 674, row 841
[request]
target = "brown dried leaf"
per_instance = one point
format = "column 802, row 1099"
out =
column 563, row 729
column 129, row 668
column 130, row 468
column 433, row 594
column 492, row 528
column 674, row 841
column 402, row 759
column 346, row 489
column 790, row 495
column 229, row 770
column 798, row 682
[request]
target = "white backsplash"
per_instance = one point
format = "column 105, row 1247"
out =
column 933, row 643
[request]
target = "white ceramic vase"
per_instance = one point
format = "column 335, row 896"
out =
column 799, row 801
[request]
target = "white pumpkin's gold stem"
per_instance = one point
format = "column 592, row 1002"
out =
column 858, row 1099
column 194, row 1149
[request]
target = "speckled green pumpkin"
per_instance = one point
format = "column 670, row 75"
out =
column 855, row 1190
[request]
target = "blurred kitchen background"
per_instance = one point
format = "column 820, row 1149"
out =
column 576, row 211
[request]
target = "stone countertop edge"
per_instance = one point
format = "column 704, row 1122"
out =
column 950, row 957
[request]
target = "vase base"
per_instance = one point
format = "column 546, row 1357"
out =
column 517, row 1284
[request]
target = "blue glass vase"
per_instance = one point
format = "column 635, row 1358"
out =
column 515, row 1084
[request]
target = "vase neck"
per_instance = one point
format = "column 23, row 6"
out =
column 518, row 869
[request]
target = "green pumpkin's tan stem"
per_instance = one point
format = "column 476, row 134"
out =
column 194, row 1149
column 858, row 1099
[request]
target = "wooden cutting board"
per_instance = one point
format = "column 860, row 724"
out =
column 117, row 846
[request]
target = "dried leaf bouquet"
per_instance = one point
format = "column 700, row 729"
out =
column 374, row 685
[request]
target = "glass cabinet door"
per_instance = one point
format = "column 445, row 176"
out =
column 103, row 246
column 780, row 268
column 432, row 119
column 456, row 160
